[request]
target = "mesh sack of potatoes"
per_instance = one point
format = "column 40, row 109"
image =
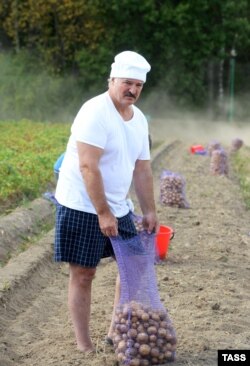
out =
column 143, row 333
column 219, row 162
column 138, row 222
column 137, row 219
column 172, row 189
column 213, row 145
column 236, row 144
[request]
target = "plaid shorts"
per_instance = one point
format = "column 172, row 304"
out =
column 79, row 240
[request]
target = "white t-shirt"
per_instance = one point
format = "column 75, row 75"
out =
column 98, row 123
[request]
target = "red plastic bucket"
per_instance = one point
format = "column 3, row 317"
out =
column 163, row 237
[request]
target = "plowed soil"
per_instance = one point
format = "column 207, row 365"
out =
column 203, row 282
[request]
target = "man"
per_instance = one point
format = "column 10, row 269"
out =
column 108, row 147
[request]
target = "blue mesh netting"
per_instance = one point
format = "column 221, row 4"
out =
column 143, row 333
column 135, row 258
column 138, row 222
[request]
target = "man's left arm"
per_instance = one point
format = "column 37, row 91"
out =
column 144, row 188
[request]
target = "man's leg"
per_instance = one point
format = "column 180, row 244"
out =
column 116, row 301
column 79, row 302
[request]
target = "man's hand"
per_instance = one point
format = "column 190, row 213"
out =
column 108, row 224
column 150, row 222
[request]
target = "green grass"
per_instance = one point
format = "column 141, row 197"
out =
column 28, row 151
column 241, row 165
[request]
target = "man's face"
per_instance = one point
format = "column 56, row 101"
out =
column 125, row 91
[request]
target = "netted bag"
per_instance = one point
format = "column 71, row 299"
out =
column 137, row 220
column 143, row 333
column 236, row 144
column 172, row 190
column 213, row 145
column 219, row 162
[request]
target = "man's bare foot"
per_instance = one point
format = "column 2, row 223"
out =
column 86, row 348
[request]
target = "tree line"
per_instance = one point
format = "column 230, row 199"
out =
column 189, row 43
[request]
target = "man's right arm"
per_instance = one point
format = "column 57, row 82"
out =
column 89, row 157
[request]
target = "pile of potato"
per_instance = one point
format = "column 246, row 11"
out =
column 236, row 145
column 172, row 190
column 214, row 145
column 143, row 336
column 219, row 162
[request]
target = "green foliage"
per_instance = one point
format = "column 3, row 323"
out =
column 27, row 90
column 241, row 164
column 179, row 38
column 94, row 68
column 27, row 155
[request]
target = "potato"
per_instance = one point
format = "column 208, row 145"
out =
column 140, row 328
column 144, row 349
column 121, row 357
column 169, row 346
column 116, row 339
column 144, row 362
column 162, row 332
column 155, row 352
column 134, row 319
column 134, row 362
column 164, row 324
column 121, row 345
column 154, row 361
column 169, row 355
column 156, row 317
column 153, row 338
column 152, row 330
column 130, row 352
column 125, row 336
column 123, row 328
column 132, row 333
column 143, row 336
column 145, row 317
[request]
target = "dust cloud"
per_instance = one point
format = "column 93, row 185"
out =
column 197, row 131
column 167, row 123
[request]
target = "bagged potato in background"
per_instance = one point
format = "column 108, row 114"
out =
column 236, row 144
column 143, row 334
column 172, row 190
column 219, row 162
column 213, row 145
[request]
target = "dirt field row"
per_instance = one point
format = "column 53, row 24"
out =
column 204, row 282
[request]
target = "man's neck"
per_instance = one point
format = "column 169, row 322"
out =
column 126, row 111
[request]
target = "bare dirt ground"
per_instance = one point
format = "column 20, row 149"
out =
column 204, row 281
